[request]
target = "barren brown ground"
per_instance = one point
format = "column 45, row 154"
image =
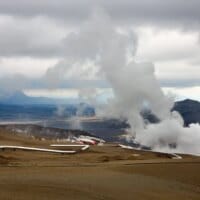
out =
column 102, row 172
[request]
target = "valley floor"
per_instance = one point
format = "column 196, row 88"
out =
column 103, row 172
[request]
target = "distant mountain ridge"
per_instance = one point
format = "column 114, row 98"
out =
column 19, row 98
column 189, row 109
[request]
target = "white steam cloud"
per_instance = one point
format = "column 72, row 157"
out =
column 108, row 52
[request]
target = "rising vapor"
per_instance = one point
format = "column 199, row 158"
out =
column 109, row 52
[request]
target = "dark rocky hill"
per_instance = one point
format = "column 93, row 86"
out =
column 44, row 132
column 189, row 110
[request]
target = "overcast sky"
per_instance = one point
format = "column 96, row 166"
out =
column 33, row 34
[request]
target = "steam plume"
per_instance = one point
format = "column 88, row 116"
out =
column 110, row 53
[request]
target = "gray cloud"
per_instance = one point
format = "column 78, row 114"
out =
column 39, row 28
column 171, row 12
column 179, row 83
column 39, row 37
column 19, row 82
